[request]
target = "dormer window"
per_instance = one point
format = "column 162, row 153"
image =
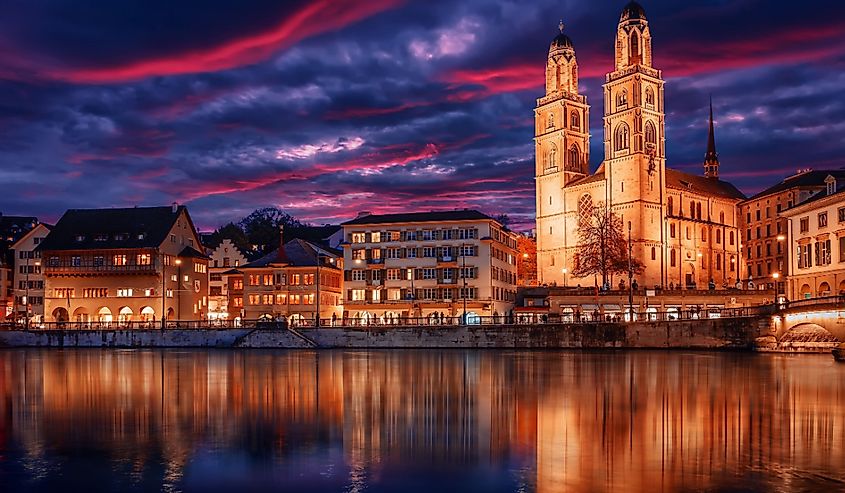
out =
column 80, row 238
column 142, row 236
column 121, row 237
column 830, row 181
column 101, row 238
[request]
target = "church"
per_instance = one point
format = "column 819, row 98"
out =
column 684, row 227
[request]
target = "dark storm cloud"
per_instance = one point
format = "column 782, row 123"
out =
column 328, row 108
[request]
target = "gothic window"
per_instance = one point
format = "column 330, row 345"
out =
column 574, row 158
column 574, row 121
column 722, row 218
column 621, row 137
column 649, row 97
column 650, row 134
column 585, row 209
column 622, row 99
column 551, row 157
column 698, row 210
column 551, row 120
column 653, row 253
column 635, row 48
column 669, row 206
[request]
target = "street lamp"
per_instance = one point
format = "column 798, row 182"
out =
column 564, row 270
column 776, row 275
column 178, row 263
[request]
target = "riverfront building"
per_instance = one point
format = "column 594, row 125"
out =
column 294, row 282
column 223, row 258
column 12, row 228
column 28, row 279
column 427, row 264
column 816, row 235
column 764, row 229
column 684, row 227
column 124, row 265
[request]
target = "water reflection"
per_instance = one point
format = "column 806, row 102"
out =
column 419, row 421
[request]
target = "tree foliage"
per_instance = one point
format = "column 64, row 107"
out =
column 602, row 248
column 258, row 233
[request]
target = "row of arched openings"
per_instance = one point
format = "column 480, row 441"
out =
column 622, row 136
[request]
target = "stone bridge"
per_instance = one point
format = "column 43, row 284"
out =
column 816, row 324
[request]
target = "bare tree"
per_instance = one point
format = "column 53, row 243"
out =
column 602, row 246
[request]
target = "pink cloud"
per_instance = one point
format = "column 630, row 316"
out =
column 315, row 18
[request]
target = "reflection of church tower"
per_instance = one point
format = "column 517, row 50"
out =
column 562, row 143
column 711, row 158
column 634, row 162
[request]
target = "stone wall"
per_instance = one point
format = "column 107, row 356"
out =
column 122, row 338
column 736, row 333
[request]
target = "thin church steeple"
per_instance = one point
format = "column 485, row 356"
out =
column 711, row 158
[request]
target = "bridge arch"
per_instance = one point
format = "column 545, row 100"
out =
column 808, row 336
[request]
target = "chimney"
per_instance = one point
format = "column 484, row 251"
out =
column 174, row 207
column 363, row 214
column 281, row 256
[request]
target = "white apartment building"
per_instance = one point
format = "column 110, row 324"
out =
column 28, row 282
column 432, row 265
column 816, row 235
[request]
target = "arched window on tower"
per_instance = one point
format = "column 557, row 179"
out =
column 622, row 136
column 669, row 206
column 622, row 99
column 550, row 120
column 574, row 120
column 650, row 135
column 585, row 209
column 649, row 98
column 634, row 55
column 574, row 158
column 551, row 157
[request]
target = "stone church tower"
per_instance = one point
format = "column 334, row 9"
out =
column 684, row 227
column 562, row 143
column 634, row 138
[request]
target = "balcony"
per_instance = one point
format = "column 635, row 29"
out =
column 97, row 269
column 447, row 259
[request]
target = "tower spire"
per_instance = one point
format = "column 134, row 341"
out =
column 711, row 158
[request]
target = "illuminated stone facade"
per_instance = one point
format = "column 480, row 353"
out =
column 116, row 266
column 816, row 237
column 683, row 226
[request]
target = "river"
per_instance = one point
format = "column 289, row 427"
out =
column 419, row 421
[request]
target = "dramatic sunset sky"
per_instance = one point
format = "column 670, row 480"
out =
column 329, row 107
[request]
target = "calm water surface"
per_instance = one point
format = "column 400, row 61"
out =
column 427, row 421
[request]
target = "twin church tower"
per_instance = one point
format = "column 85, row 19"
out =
column 683, row 226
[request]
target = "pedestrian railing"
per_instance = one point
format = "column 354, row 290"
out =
column 516, row 319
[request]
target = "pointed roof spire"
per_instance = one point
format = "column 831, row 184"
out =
column 560, row 26
column 711, row 158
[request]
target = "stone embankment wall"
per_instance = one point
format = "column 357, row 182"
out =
column 122, row 338
column 737, row 333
